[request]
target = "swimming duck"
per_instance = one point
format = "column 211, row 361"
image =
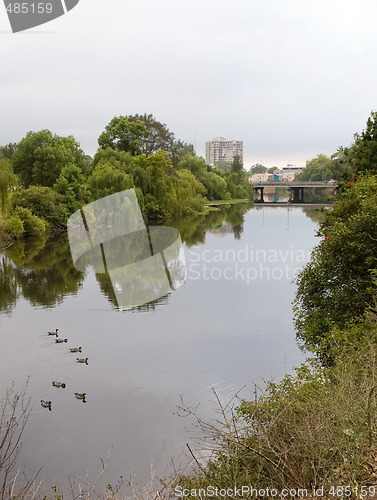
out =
column 58, row 384
column 75, row 349
column 80, row 395
column 60, row 341
column 46, row 404
column 54, row 333
column 82, row 360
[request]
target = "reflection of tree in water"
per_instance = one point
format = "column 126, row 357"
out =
column 319, row 195
column 107, row 289
column 193, row 231
column 43, row 271
column 315, row 214
column 235, row 217
column 8, row 285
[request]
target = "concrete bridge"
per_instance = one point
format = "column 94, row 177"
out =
column 296, row 188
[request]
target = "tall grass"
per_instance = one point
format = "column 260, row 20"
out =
column 314, row 429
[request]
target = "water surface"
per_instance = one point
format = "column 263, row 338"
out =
column 228, row 326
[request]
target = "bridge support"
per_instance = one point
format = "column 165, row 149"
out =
column 298, row 194
column 259, row 188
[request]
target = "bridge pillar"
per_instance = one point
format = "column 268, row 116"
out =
column 259, row 188
column 298, row 194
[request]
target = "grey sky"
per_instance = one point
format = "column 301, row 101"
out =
column 291, row 78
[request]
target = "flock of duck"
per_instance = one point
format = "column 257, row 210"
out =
column 56, row 383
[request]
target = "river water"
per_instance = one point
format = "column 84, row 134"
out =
column 229, row 326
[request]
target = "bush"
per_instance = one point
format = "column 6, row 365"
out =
column 13, row 226
column 153, row 209
column 33, row 225
column 43, row 202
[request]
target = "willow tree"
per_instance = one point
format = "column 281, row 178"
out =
column 8, row 182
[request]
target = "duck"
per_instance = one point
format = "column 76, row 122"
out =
column 82, row 360
column 75, row 349
column 58, row 384
column 54, row 333
column 60, row 341
column 80, row 395
column 46, row 404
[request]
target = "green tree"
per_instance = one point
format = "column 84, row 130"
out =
column 318, row 169
column 237, row 165
column 124, row 135
column 258, row 168
column 339, row 283
column 343, row 164
column 365, row 147
column 8, row 182
column 106, row 180
column 41, row 156
column 120, row 160
column 43, row 202
column 223, row 166
column 161, row 139
column 70, row 185
column 32, row 225
column 8, row 151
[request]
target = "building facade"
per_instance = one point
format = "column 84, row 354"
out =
column 223, row 149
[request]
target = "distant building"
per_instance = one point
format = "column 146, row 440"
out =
column 223, row 149
column 290, row 172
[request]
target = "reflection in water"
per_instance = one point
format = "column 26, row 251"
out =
column 41, row 270
column 143, row 263
column 220, row 333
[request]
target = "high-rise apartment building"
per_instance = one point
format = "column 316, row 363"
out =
column 223, row 149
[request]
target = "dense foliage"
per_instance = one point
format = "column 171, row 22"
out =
column 50, row 177
column 338, row 285
column 318, row 169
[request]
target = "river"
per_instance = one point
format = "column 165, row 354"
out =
column 229, row 325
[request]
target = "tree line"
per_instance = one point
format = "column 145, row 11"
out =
column 44, row 178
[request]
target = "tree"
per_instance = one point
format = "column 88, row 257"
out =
column 223, row 166
column 258, row 168
column 70, row 185
column 43, row 202
column 215, row 184
column 41, row 156
column 159, row 138
column 342, row 164
column 365, row 147
column 8, row 151
column 143, row 134
column 339, row 283
column 8, row 182
column 237, row 165
column 106, row 180
column 124, row 135
column 118, row 159
column 318, row 169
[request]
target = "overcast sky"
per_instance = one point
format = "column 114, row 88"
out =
column 290, row 78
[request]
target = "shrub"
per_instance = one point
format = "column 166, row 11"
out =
column 13, row 226
column 33, row 225
column 43, row 202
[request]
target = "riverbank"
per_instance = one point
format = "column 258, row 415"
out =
column 315, row 429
